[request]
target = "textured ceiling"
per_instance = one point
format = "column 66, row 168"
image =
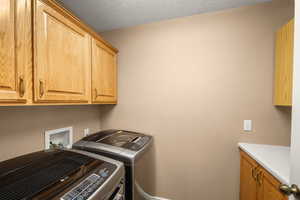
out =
column 105, row 15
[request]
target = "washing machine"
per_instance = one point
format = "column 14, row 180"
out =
column 135, row 150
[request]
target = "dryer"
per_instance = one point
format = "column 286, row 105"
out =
column 61, row 175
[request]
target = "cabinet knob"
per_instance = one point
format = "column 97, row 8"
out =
column 290, row 190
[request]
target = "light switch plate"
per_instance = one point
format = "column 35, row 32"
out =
column 248, row 125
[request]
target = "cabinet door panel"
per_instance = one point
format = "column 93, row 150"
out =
column 63, row 58
column 14, row 58
column 103, row 74
column 284, row 65
column 247, row 182
column 270, row 192
column 268, row 189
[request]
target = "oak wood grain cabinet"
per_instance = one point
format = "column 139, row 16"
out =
column 46, row 57
column 63, row 58
column 104, row 74
column 284, row 65
column 248, row 184
column 268, row 186
column 15, row 47
column 256, row 183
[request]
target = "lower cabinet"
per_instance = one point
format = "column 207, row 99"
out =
column 256, row 183
column 268, row 187
column 248, row 184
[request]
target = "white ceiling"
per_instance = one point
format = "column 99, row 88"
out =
column 105, row 15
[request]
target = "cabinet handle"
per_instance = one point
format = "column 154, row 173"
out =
column 21, row 86
column 41, row 88
column 259, row 178
column 254, row 174
column 96, row 93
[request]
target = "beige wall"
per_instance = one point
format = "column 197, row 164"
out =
column 22, row 128
column 191, row 82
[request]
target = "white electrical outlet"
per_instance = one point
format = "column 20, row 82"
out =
column 247, row 125
column 86, row 132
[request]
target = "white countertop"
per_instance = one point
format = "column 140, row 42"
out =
column 275, row 159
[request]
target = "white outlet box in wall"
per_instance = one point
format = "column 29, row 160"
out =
column 62, row 137
column 86, row 132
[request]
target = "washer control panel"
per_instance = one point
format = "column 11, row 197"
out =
column 137, row 144
column 89, row 185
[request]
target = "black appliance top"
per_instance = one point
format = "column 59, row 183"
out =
column 27, row 176
column 120, row 138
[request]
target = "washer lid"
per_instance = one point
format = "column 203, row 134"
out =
column 120, row 138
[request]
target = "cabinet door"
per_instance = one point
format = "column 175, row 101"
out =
column 268, row 187
column 104, row 74
column 15, row 56
column 284, row 65
column 247, row 181
column 63, row 58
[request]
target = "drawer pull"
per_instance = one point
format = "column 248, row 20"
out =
column 96, row 93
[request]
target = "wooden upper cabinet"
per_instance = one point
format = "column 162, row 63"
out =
column 63, row 58
column 284, row 65
column 248, row 182
column 62, row 53
column 104, row 74
column 15, row 55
